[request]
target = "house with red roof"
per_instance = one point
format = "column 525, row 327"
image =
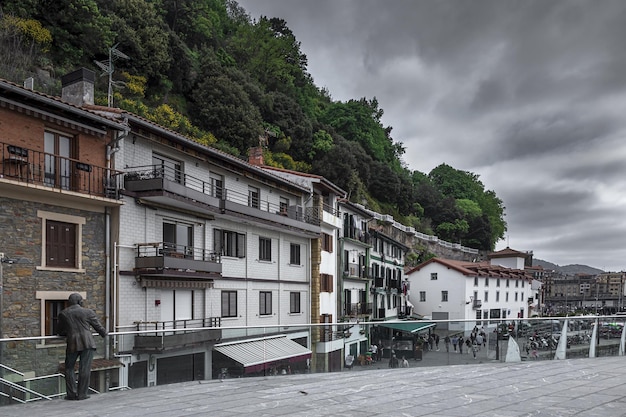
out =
column 474, row 293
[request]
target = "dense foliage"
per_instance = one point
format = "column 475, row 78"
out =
column 210, row 71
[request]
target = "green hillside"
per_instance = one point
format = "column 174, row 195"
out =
column 206, row 69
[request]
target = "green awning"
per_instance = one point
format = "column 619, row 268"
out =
column 409, row 326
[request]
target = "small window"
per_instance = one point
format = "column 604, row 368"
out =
column 265, row 249
column 498, row 282
column 283, row 205
column 422, row 296
column 294, row 254
column 61, row 241
column 475, row 281
column 60, row 244
column 486, row 281
column 507, row 283
column 327, row 242
column 53, row 308
column 515, row 296
column 294, row 302
column 516, row 283
column 522, row 283
column 506, row 298
column 486, row 296
column 444, row 296
column 326, row 283
column 216, row 185
column 497, row 296
column 229, row 303
column 254, row 197
column 433, row 276
column 265, row 303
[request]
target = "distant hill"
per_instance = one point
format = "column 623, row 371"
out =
column 568, row 269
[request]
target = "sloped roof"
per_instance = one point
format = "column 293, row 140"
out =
column 508, row 253
column 475, row 269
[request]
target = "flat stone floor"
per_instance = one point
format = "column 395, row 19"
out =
column 571, row 387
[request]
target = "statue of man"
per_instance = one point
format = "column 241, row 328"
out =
column 75, row 323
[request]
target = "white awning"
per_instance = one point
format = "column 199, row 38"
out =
column 252, row 355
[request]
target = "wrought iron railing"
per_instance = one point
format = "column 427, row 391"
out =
column 58, row 172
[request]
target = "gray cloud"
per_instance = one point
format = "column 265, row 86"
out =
column 530, row 95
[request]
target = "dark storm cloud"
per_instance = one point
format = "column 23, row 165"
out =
column 530, row 95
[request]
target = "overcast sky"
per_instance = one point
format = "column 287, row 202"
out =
column 529, row 95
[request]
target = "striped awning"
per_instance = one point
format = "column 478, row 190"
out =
column 254, row 355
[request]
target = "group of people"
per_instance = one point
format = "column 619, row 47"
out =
column 395, row 363
column 473, row 343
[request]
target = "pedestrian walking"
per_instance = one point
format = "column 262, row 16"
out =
column 461, row 341
column 455, row 341
column 437, row 342
column 374, row 350
column 474, row 349
column 446, row 341
column 479, row 340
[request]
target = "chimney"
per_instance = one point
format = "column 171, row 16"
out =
column 255, row 156
column 78, row 87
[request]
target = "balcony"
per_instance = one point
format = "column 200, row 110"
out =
column 32, row 167
column 359, row 309
column 156, row 185
column 184, row 333
column 171, row 260
column 476, row 304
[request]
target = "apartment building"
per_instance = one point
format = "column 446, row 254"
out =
column 59, row 200
column 445, row 289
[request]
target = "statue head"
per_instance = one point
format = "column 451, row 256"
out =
column 75, row 298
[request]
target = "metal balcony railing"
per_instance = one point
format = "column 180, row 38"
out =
column 57, row 172
column 165, row 255
column 135, row 176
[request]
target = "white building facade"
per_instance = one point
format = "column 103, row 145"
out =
column 208, row 241
column 472, row 293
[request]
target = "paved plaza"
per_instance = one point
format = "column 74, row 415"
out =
column 482, row 387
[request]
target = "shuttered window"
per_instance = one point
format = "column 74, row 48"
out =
column 60, row 244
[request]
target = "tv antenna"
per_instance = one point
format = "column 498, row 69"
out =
column 108, row 68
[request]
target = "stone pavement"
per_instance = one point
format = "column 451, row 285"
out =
column 571, row 387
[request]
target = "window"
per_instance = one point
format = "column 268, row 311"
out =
column 52, row 310
column 178, row 239
column 521, row 296
column 229, row 243
column 294, row 254
column 422, row 296
column 294, row 302
column 57, row 165
column 254, row 197
column 516, row 283
column 51, row 304
column 167, row 168
column 327, row 242
column 433, row 276
column 486, row 296
column 283, row 205
column 498, row 282
column 522, row 283
column 495, row 313
column 497, row 296
column 507, row 283
column 478, row 317
column 217, row 185
column 60, row 244
column 475, row 281
column 516, row 296
column 265, row 303
column 229, row 303
column 486, row 281
column 507, row 297
column 265, row 249
column 326, row 283
column 61, row 241
column 176, row 305
column 444, row 296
